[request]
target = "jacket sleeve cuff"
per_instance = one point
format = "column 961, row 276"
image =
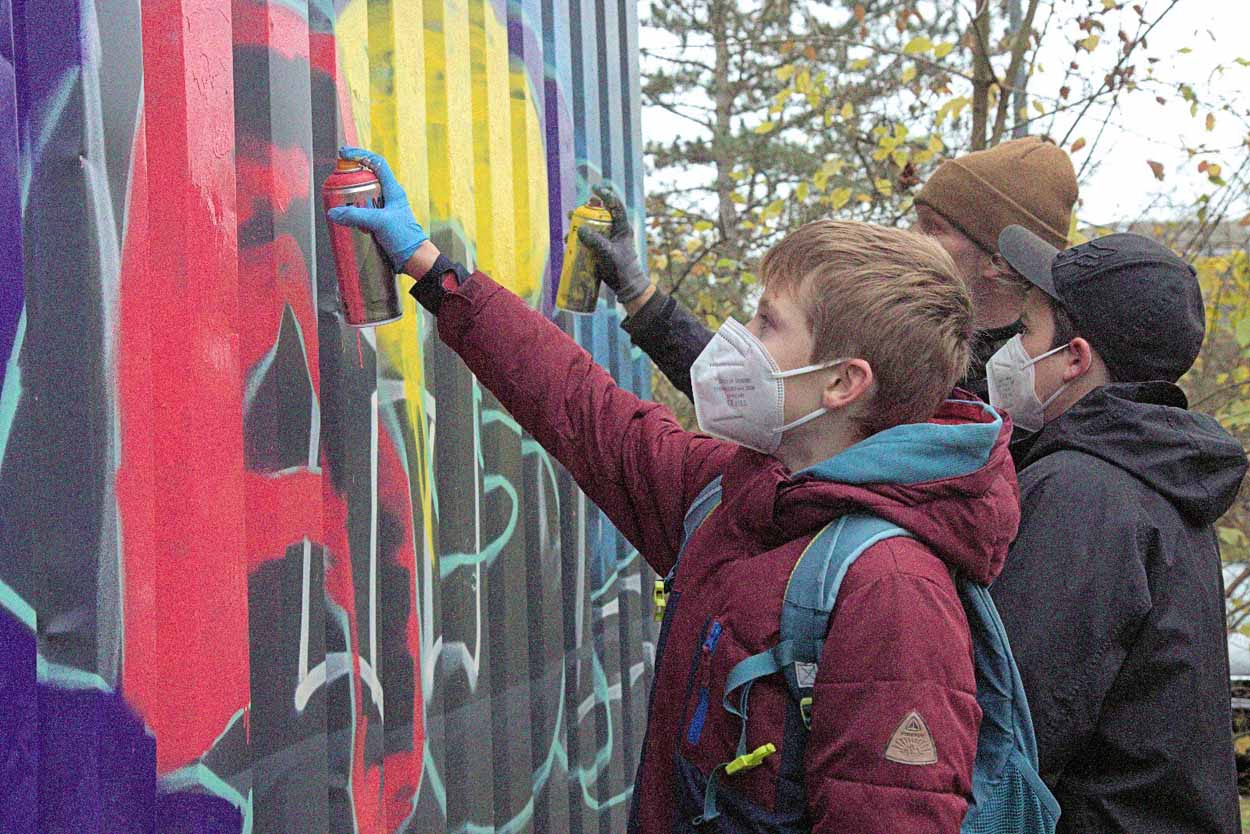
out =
column 657, row 309
column 444, row 276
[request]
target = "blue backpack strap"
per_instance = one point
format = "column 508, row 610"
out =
column 1007, row 791
column 707, row 500
column 813, row 590
column 811, row 593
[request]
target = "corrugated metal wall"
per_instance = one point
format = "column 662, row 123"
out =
column 283, row 575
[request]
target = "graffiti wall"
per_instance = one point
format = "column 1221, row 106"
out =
column 260, row 571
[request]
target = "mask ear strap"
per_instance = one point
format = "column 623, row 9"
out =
column 807, row 369
column 1050, row 352
column 802, row 420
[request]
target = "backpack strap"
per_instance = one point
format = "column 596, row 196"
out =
column 811, row 593
column 1006, row 746
column 706, row 501
column 813, row 590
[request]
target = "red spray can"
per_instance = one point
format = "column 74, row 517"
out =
column 366, row 281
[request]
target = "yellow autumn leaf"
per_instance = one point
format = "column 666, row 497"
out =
column 702, row 225
column 859, row 64
column 693, row 245
column 884, row 186
column 802, row 191
column 909, row 73
column 918, row 45
column 1089, row 44
column 1210, row 121
column 784, row 72
column 901, row 157
column 1077, row 145
column 839, row 198
column 943, row 49
column 1108, row 5
column 765, row 127
column 863, row 197
column 848, row 110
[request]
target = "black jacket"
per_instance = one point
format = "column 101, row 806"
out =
column 673, row 338
column 1113, row 600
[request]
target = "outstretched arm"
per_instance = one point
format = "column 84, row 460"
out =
column 631, row 457
column 658, row 324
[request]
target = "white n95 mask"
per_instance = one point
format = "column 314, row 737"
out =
column 1010, row 376
column 739, row 394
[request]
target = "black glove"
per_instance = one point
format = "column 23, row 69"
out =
column 617, row 258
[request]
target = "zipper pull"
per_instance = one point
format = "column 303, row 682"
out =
column 709, row 647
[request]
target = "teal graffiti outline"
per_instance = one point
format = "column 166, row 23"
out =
column 12, row 601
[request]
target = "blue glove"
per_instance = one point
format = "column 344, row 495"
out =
column 393, row 226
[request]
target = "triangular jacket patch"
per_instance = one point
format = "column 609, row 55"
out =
column 911, row 743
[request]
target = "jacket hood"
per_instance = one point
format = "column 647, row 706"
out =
column 1147, row 430
column 949, row 481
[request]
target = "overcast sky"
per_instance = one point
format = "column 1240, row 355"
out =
column 1122, row 188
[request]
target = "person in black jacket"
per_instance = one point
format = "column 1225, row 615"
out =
column 1112, row 594
column 964, row 205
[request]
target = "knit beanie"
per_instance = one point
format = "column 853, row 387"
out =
column 1029, row 182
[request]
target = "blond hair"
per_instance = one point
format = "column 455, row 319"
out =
column 890, row 297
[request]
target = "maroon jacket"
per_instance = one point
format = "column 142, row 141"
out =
column 898, row 641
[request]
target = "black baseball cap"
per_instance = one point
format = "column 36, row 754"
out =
column 1136, row 302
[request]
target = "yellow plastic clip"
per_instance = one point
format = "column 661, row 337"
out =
column 751, row 760
column 805, row 710
column 660, row 597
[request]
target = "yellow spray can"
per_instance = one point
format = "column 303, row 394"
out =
column 579, row 284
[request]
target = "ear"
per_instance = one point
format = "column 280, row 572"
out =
column 995, row 266
column 1080, row 359
column 851, row 381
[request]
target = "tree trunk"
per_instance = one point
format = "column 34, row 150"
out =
column 982, row 74
column 722, row 132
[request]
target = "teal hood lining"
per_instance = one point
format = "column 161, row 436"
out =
column 914, row 453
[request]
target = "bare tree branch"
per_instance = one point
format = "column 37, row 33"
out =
column 1019, row 46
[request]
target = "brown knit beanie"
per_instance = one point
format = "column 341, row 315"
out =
column 1029, row 182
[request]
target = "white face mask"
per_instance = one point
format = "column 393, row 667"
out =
column 739, row 394
column 1011, row 377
